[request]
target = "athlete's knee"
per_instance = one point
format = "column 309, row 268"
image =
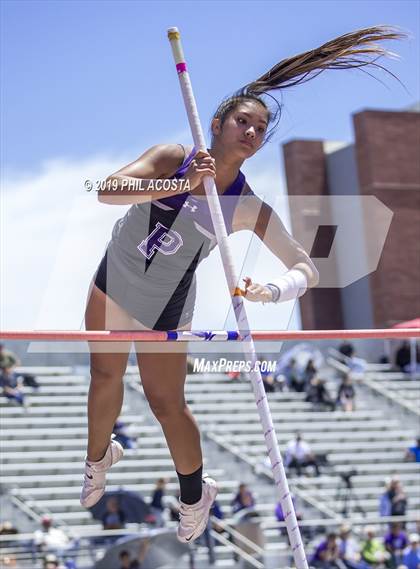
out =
column 100, row 373
column 166, row 407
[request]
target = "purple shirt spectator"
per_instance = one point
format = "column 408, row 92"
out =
column 317, row 556
column 395, row 541
column 243, row 499
column 279, row 510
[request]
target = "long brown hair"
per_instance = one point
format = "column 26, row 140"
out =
column 353, row 50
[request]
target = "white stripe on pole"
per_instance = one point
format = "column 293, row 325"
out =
column 239, row 309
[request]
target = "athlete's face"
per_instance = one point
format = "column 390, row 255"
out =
column 244, row 129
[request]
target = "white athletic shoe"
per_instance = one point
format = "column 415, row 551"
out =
column 95, row 474
column 193, row 518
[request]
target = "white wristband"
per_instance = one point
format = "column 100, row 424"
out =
column 291, row 285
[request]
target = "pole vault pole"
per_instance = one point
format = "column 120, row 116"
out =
column 239, row 310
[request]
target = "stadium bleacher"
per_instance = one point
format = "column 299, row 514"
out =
column 43, row 449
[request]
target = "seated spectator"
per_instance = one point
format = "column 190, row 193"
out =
column 346, row 349
column 373, row 551
column 393, row 502
column 279, row 381
column 11, row 385
column 8, row 362
column 50, row 538
column 299, row 455
column 384, row 499
column 309, row 373
column 312, row 394
column 346, row 394
column 327, row 555
column 349, row 359
column 278, row 512
column 267, row 376
column 413, row 452
column 318, row 394
column 114, row 517
column 122, row 436
column 349, row 550
column 403, row 356
column 395, row 541
column 156, row 504
column 290, row 374
column 126, row 561
column 268, row 381
column 411, row 556
column 243, row 499
column 398, row 499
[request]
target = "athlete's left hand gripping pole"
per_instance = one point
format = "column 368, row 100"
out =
column 239, row 309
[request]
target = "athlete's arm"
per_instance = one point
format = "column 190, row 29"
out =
column 138, row 182
column 157, row 162
column 255, row 215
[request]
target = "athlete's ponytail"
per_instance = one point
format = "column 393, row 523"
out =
column 353, row 50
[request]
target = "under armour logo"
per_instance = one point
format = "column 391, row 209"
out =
column 193, row 208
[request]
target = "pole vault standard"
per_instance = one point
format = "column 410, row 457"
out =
column 239, row 309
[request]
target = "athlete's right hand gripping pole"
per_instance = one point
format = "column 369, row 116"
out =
column 239, row 309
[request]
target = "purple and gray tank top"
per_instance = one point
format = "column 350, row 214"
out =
column 157, row 246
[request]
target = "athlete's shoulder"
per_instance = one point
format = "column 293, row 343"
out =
column 170, row 156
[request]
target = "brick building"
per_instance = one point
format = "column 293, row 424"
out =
column 350, row 233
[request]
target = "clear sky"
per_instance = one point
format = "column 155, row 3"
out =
column 82, row 78
column 88, row 86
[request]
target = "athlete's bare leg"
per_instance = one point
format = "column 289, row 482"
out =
column 163, row 378
column 108, row 363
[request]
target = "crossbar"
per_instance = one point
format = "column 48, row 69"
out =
column 204, row 335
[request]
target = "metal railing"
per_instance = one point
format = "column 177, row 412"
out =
column 374, row 386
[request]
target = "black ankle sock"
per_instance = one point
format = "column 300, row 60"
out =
column 191, row 486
